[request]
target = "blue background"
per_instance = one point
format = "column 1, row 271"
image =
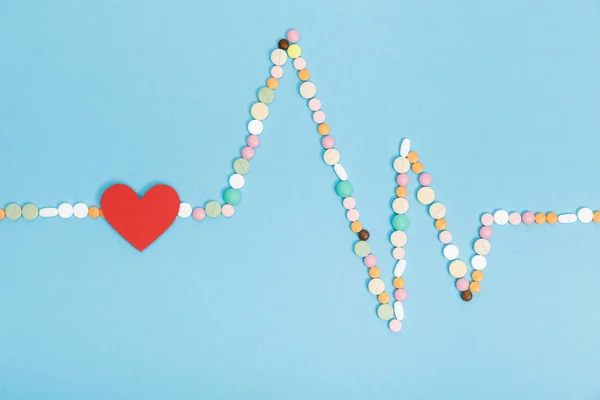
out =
column 501, row 99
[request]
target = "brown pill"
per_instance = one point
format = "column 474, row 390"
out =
column 283, row 44
column 466, row 295
column 364, row 234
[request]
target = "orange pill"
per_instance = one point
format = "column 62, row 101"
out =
column 323, row 129
column 477, row 276
column 383, row 298
column 356, row 226
column 374, row 272
column 413, row 157
column 540, row 218
column 94, row 212
column 2, row 214
column 101, row 213
column 272, row 83
column 399, row 283
column 417, row 167
column 552, row 218
column 401, row 191
column 474, row 287
column 596, row 217
column 304, row 75
column 440, row 224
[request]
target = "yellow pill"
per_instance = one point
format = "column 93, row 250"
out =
column 440, row 224
column 374, row 272
column 552, row 218
column 303, row 75
column 413, row 157
column 474, row 287
column 399, row 283
column 477, row 276
column 417, row 167
column 540, row 218
column 356, row 226
column 259, row 111
column 383, row 298
column 94, row 212
column 401, row 191
column 323, row 129
column 272, row 83
column 294, row 51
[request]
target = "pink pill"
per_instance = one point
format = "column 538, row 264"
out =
column 276, row 72
column 370, row 260
column 514, row 218
column 462, row 284
column 400, row 295
column 299, row 63
column 227, row 210
column 349, row 203
column 352, row 215
column 398, row 253
column 425, row 179
column 248, row 153
column 328, row 142
column 292, row 35
column 314, row 104
column 445, row 237
column 528, row 218
column 487, row 219
column 395, row 325
column 402, row 179
column 253, row 141
column 485, row 232
column 319, row 117
column 199, row 214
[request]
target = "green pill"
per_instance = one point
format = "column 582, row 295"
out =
column 266, row 95
column 385, row 312
column 232, row 196
column 400, row 222
column 213, row 209
column 30, row 212
column 241, row 166
column 362, row 248
column 13, row 211
column 343, row 189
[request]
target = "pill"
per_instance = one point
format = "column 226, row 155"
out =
column 514, row 218
column 319, row 117
column 314, row 104
column 236, row 181
column 331, row 156
column 353, row 215
column 227, row 210
column 294, row 51
column 487, row 219
column 450, row 252
column 185, row 210
column 482, row 246
column 376, row 286
column 65, row 210
column 13, row 211
column 80, row 210
column 400, row 205
column 551, row 218
column 300, row 64
column 383, row 298
column 501, row 217
column 199, row 214
column 474, row 287
column 232, row 196
column 395, row 325
column 308, row 90
column 279, row 57
column 478, row 262
column 437, row 210
column 340, row 171
column 401, row 165
column 212, row 209
column 585, row 215
column 400, row 222
column 276, row 72
column 362, row 248
column 349, row 203
column 445, row 237
column 567, row 218
column 398, row 238
column 241, row 166
column 266, row 95
column 259, row 111
column 344, row 189
column 385, row 312
column 398, row 310
column 94, row 212
column 413, row 157
column 457, row 268
column 426, row 195
column 477, row 276
column 29, row 212
column 48, row 212
column 405, row 147
column 400, row 268
column 292, row 35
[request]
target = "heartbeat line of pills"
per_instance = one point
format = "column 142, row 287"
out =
column 388, row 310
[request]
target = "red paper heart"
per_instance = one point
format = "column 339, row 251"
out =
column 140, row 220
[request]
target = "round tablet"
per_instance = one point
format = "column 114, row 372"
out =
column 331, row 156
column 362, row 248
column 457, row 269
column 482, row 246
column 227, row 210
column 445, row 237
column 400, row 205
column 13, row 211
column 266, row 95
column 437, row 210
column 314, row 104
column 398, row 238
column 278, row 57
column 65, row 210
column 259, row 111
column 349, row 203
column 426, row 195
column 308, row 90
column 319, row 117
column 385, row 312
column 344, row 189
column 585, row 215
column 292, row 35
column 487, row 219
column 514, row 218
column 236, row 181
column 276, row 72
column 294, row 51
column 462, row 284
column 29, row 212
column 241, row 166
column 199, row 214
column 185, row 210
column 501, row 217
column 400, row 222
column 478, row 262
column 253, row 141
column 299, row 63
column 450, row 252
column 401, row 165
column 232, row 196
column 80, row 210
column 353, row 215
column 395, row 325
column 376, row 286
column 213, row 209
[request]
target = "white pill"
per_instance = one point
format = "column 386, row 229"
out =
column 331, row 156
column 478, row 262
column 426, row 195
column 567, row 218
column 585, row 215
column 308, row 90
column 401, row 165
column 482, row 246
column 65, row 210
column 185, row 210
column 400, row 205
column 376, row 286
column 340, row 171
column 400, row 267
column 437, row 210
column 405, row 147
column 399, row 310
column 255, row 127
column 48, row 212
column 236, row 181
column 501, row 217
column 450, row 252
column 80, row 210
column 398, row 238
column 278, row 57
